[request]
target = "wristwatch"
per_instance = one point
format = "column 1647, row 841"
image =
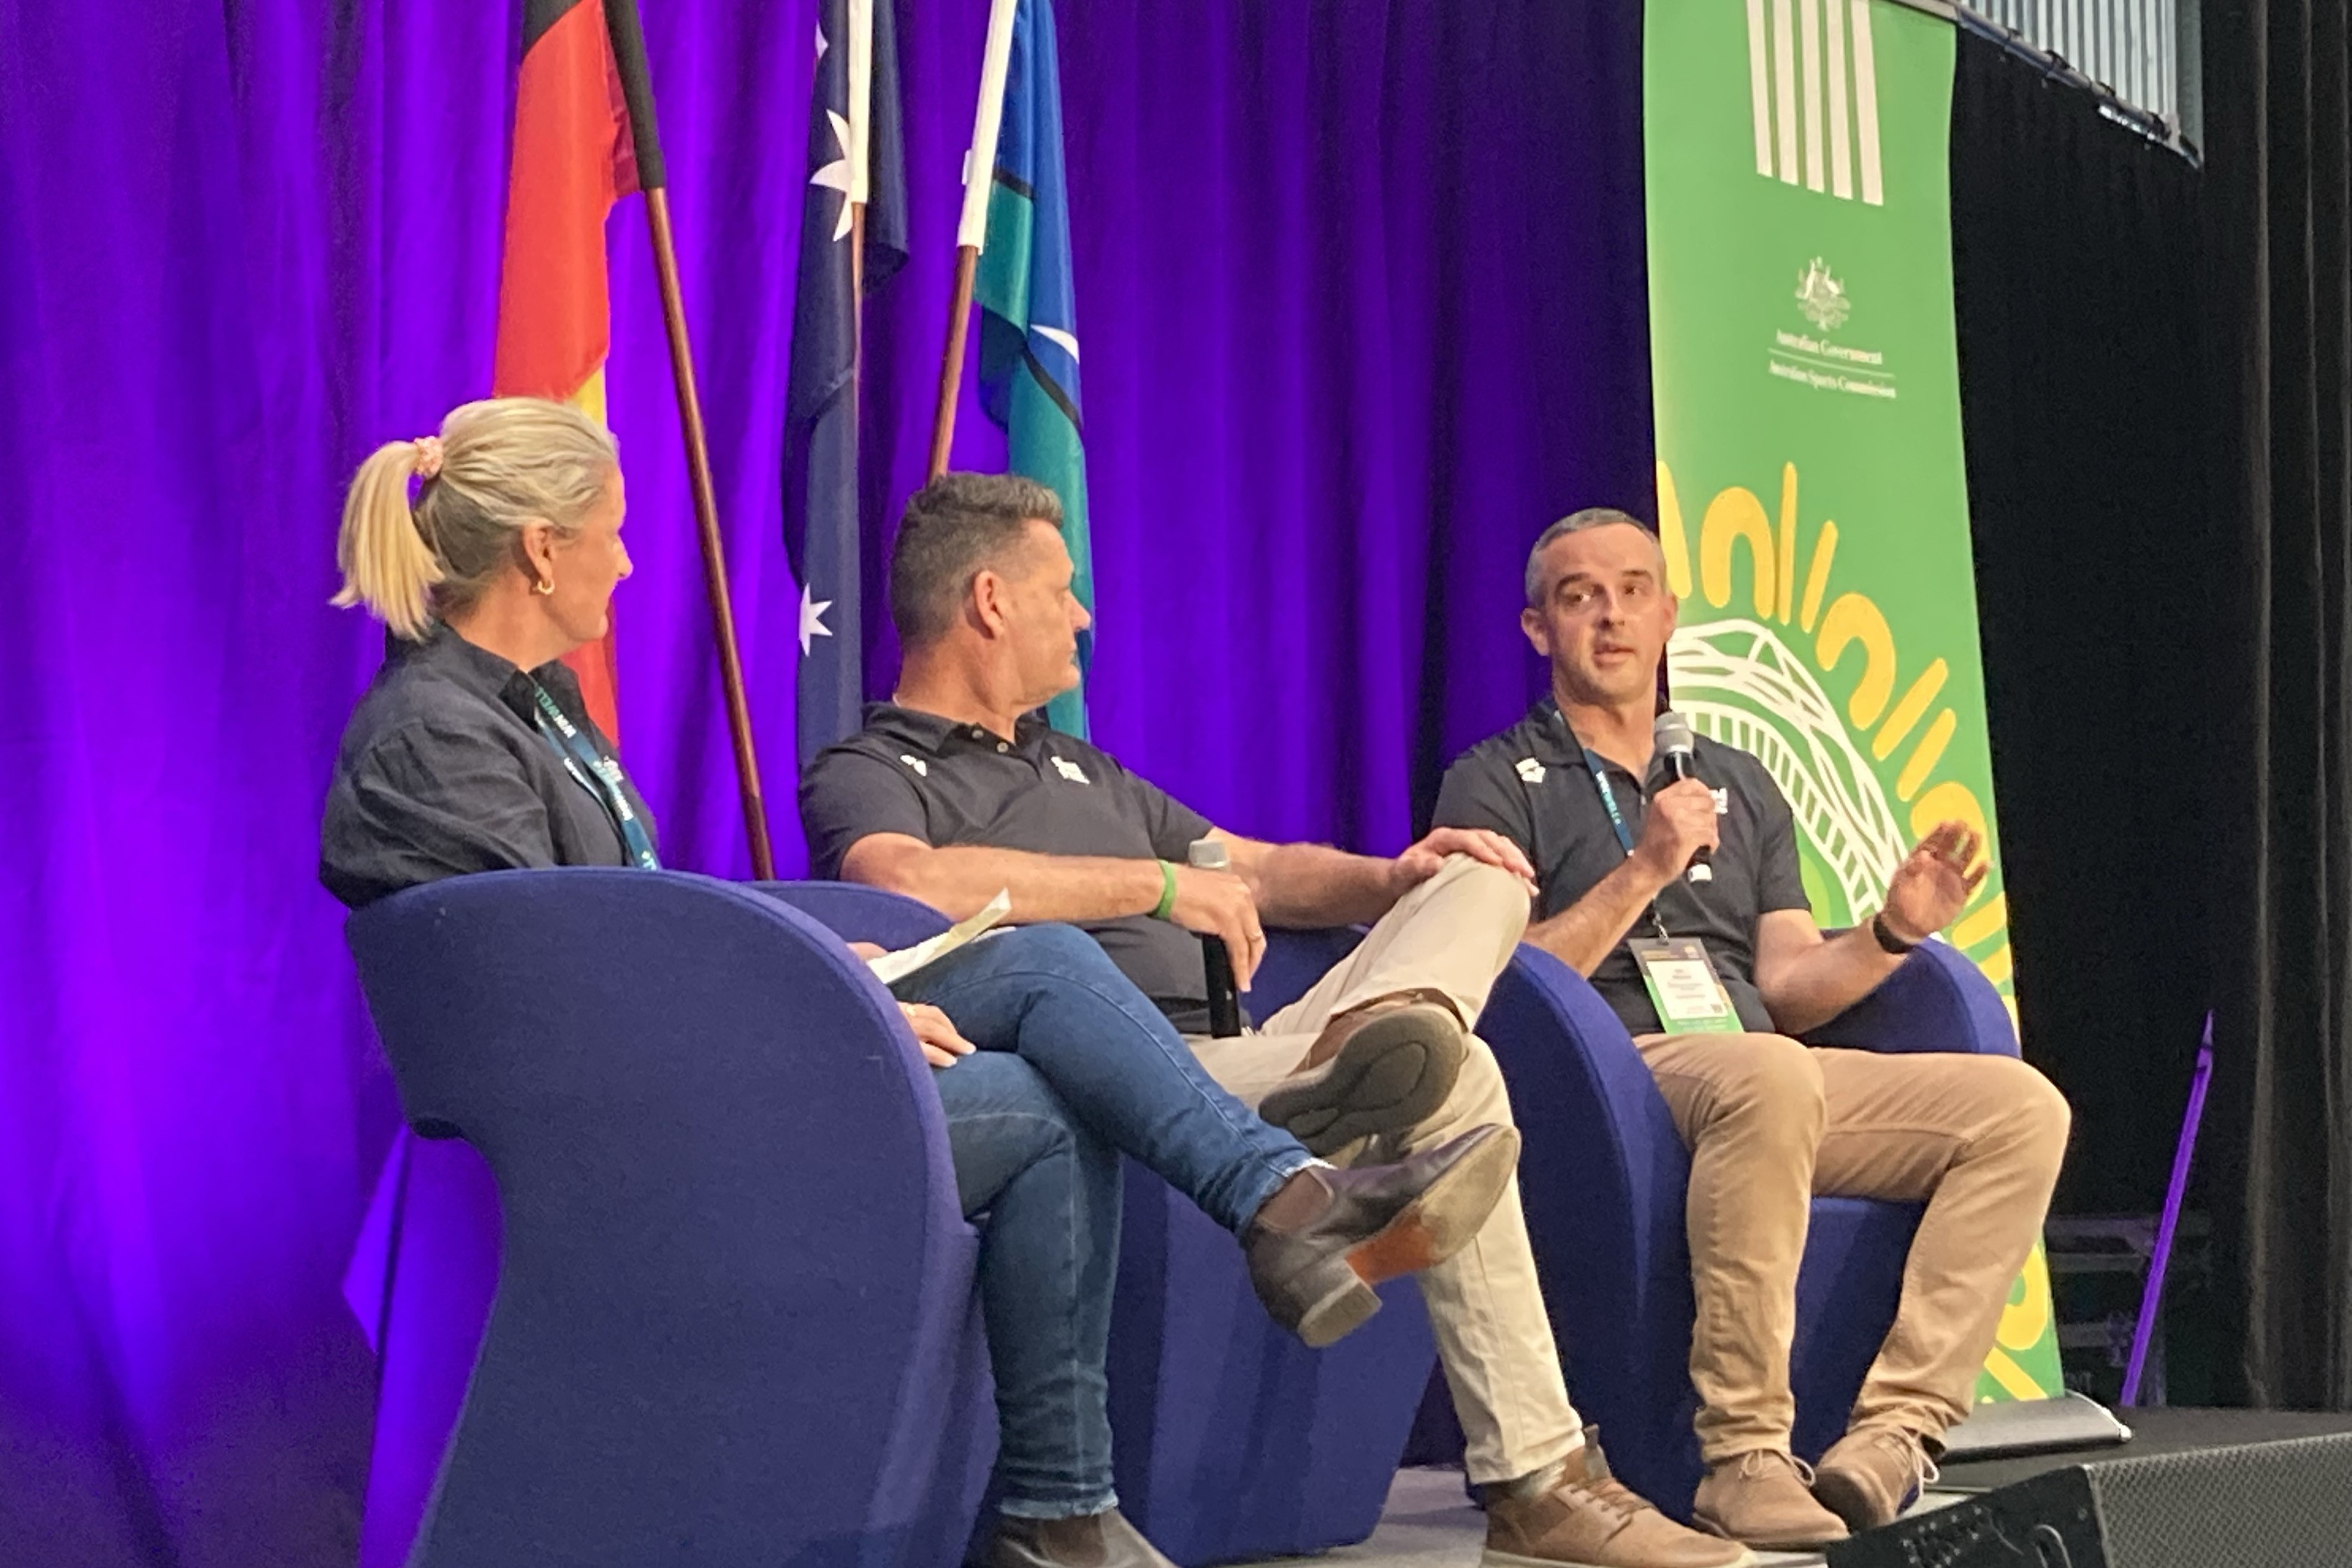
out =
column 1885, row 936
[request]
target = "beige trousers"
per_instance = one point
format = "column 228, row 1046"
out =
column 1454, row 934
column 1770, row 1123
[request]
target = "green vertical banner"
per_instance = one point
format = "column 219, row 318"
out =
column 1813, row 499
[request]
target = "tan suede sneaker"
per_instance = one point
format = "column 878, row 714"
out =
column 1765, row 1498
column 1575, row 1514
column 1872, row 1475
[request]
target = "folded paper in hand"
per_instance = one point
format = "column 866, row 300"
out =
column 892, row 967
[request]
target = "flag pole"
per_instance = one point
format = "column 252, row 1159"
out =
column 971, row 231
column 861, row 186
column 637, row 85
column 705, row 518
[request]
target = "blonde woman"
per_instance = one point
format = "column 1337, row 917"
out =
column 472, row 752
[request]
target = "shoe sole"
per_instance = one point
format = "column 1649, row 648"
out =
column 1427, row 1231
column 1392, row 1074
column 1700, row 1521
column 1845, row 1498
column 1491, row 1558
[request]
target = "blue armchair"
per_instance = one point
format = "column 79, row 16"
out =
column 1603, row 1172
column 1235, row 1441
column 733, row 1316
column 1231, row 1440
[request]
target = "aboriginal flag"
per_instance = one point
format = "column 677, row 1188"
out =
column 584, row 138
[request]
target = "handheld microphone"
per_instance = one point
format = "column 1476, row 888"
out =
column 1671, row 733
column 1224, row 997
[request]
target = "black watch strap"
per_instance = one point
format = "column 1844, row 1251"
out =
column 1885, row 938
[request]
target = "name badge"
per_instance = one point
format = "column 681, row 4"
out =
column 1684, row 986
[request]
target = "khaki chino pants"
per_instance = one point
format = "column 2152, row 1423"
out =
column 1770, row 1124
column 1452, row 934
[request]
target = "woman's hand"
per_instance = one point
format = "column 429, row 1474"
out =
column 867, row 951
column 933, row 1031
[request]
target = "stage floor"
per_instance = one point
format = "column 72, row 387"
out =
column 1428, row 1523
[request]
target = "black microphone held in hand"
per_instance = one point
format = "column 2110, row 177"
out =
column 1671, row 733
column 1224, row 997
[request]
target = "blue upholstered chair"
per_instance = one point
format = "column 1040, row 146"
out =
column 733, row 1317
column 1231, row 1440
column 1604, row 1174
column 1235, row 1440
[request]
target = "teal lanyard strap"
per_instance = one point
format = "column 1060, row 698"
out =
column 597, row 773
column 1598, row 768
column 1609, row 798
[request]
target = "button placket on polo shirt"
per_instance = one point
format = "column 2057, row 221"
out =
column 1032, row 753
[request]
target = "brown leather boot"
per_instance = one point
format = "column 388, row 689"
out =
column 1104, row 1540
column 1872, row 1475
column 1574, row 1514
column 1765, row 1498
column 1384, row 1066
column 1318, row 1245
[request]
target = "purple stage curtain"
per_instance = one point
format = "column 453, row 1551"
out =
column 1360, row 301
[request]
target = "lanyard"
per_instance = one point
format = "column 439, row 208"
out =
column 597, row 773
column 1600, row 771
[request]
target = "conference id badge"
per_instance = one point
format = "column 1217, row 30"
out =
column 1684, row 986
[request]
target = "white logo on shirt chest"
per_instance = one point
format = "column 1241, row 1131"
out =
column 1532, row 771
column 1070, row 771
column 920, row 766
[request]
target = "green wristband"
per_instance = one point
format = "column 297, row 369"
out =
column 1167, row 891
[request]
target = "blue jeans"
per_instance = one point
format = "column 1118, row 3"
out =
column 1046, row 1193
column 1074, row 1065
column 1049, row 994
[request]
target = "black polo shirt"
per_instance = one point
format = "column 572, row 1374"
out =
column 1531, row 784
column 442, row 771
column 948, row 784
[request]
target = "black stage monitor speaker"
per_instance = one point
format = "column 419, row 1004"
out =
column 2255, row 1505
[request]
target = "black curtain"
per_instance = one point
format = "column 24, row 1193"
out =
column 2279, row 281
column 2075, row 262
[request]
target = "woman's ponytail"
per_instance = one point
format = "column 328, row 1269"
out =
column 386, row 560
column 497, row 466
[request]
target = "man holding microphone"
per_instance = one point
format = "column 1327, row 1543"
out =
column 1672, row 883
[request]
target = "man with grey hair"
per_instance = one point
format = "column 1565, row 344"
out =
column 1712, row 977
column 955, row 789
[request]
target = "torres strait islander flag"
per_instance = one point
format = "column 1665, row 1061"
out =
column 584, row 138
column 1029, row 321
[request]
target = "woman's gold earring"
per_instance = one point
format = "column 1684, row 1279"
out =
column 544, row 585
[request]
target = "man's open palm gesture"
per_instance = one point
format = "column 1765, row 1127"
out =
column 1932, row 886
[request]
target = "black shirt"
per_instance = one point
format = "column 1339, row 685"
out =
column 443, row 771
column 1531, row 784
column 948, row 784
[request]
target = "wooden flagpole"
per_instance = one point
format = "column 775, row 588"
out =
column 705, row 519
column 971, row 232
column 637, row 85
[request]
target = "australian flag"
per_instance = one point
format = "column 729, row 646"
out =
column 1029, row 325
column 821, row 513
